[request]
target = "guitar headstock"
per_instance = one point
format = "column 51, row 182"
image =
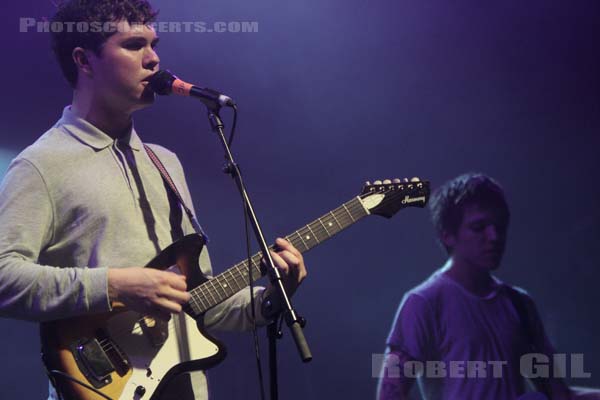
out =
column 390, row 196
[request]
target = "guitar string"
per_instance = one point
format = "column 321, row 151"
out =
column 199, row 290
column 242, row 267
column 318, row 231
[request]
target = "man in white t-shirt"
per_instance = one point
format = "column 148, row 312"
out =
column 463, row 333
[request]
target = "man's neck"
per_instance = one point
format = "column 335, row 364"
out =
column 115, row 123
column 473, row 279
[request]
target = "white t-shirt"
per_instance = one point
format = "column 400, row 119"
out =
column 467, row 347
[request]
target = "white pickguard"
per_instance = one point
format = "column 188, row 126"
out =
column 151, row 363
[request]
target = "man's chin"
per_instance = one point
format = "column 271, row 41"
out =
column 148, row 96
column 491, row 263
column 145, row 100
column 494, row 267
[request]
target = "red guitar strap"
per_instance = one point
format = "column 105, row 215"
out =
column 169, row 181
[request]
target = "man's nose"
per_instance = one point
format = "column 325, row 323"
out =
column 151, row 59
column 492, row 233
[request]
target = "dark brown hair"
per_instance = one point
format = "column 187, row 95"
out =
column 91, row 14
column 448, row 202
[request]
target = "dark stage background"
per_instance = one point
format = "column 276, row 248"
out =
column 334, row 93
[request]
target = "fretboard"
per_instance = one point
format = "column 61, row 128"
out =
column 236, row 278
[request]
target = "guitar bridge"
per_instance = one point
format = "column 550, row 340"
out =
column 98, row 357
column 93, row 362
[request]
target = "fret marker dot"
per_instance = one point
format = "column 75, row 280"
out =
column 224, row 285
column 307, row 237
column 330, row 224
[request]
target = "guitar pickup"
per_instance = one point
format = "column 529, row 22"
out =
column 93, row 362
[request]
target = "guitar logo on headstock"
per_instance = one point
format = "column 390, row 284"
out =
column 388, row 197
column 408, row 200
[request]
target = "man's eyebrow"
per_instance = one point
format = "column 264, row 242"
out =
column 141, row 39
column 477, row 220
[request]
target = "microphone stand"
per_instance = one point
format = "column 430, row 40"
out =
column 294, row 322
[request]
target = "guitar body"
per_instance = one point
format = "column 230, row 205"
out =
column 125, row 355
column 145, row 350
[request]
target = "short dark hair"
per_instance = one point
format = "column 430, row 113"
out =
column 89, row 12
column 448, row 202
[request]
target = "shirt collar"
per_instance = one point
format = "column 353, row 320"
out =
column 92, row 136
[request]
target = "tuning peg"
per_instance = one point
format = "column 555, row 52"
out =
column 377, row 182
column 387, row 182
column 415, row 179
column 396, row 180
column 367, row 183
column 405, row 179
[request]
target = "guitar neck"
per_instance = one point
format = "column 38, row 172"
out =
column 236, row 278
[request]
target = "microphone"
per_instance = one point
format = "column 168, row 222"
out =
column 164, row 83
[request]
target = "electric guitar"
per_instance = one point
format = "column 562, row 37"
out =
column 125, row 355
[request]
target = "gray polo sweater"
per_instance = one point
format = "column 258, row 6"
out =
column 77, row 202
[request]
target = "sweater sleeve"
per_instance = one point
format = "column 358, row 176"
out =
column 28, row 290
column 235, row 313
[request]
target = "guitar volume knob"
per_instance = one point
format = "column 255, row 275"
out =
column 140, row 390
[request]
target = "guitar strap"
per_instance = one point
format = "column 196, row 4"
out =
column 518, row 301
column 171, row 185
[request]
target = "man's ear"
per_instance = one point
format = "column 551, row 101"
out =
column 448, row 239
column 82, row 61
